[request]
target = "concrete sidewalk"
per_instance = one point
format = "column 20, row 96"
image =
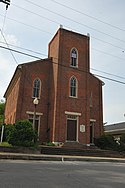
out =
column 42, row 157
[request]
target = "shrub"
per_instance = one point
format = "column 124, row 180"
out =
column 21, row 134
column 122, row 143
column 106, row 142
column 122, row 138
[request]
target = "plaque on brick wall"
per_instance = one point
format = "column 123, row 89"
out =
column 82, row 128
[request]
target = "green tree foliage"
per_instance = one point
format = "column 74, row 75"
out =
column 122, row 143
column 21, row 134
column 7, row 131
column 122, row 140
column 2, row 108
column 106, row 142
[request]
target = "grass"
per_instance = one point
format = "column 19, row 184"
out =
column 5, row 144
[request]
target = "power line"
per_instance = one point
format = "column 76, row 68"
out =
column 29, row 50
column 63, row 65
column 42, row 54
column 108, row 54
column 107, row 73
column 31, row 26
column 4, row 20
column 109, row 79
column 68, row 19
column 39, row 53
column 107, row 43
column 7, row 2
column 36, row 28
column 92, row 17
column 57, row 58
column 36, row 14
column 8, row 47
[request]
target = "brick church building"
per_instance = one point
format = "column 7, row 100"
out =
column 69, row 97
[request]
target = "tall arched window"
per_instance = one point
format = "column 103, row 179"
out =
column 73, row 87
column 36, row 88
column 74, row 58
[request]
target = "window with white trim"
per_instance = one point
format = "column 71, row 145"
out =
column 74, row 58
column 37, row 121
column 36, row 88
column 73, row 87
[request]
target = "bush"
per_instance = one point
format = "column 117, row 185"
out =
column 106, row 142
column 21, row 134
column 122, row 143
column 122, row 140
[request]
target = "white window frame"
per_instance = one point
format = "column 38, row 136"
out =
column 39, row 89
column 73, row 58
column 75, row 87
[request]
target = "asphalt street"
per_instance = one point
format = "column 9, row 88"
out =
column 48, row 174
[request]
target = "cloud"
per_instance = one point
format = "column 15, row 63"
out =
column 6, row 71
column 9, row 39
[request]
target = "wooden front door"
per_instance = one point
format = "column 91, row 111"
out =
column 71, row 130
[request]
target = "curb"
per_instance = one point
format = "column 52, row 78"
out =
column 17, row 156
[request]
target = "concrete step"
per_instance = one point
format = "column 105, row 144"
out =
column 77, row 145
column 80, row 152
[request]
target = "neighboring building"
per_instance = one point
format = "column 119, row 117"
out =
column 115, row 129
column 70, row 97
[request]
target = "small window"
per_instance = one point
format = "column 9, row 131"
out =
column 74, row 58
column 37, row 121
column 73, row 87
column 36, row 88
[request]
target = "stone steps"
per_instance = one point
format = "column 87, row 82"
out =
column 79, row 152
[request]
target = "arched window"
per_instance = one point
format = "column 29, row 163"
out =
column 74, row 58
column 36, row 88
column 73, row 87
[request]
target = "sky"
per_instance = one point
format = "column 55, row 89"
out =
column 30, row 25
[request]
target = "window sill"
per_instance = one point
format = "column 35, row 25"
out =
column 73, row 97
column 75, row 67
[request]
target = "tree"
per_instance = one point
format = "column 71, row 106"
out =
column 22, row 134
column 2, row 108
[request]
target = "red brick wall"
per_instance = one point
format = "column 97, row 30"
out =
column 41, row 70
column 68, row 40
column 96, row 89
column 11, row 100
column 55, row 100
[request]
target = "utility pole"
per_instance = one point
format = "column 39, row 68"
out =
column 7, row 2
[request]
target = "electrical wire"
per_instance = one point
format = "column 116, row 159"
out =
column 29, row 50
column 36, row 28
column 9, row 48
column 106, row 53
column 120, row 82
column 67, row 19
column 31, row 26
column 39, row 53
column 82, row 13
column 4, row 21
column 42, row 54
column 36, row 14
column 108, row 73
column 110, row 79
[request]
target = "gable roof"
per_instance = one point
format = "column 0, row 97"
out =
column 18, row 72
column 115, row 127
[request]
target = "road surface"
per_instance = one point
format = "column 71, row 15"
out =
column 46, row 174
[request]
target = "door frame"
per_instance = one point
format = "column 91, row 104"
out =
column 92, row 124
column 76, row 122
column 77, row 114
